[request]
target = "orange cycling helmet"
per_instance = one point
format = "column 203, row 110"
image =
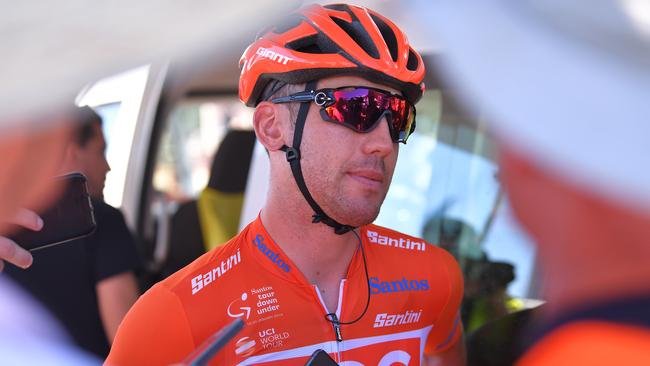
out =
column 321, row 41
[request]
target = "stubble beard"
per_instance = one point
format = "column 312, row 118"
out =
column 342, row 203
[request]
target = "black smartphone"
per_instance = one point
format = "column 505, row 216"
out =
column 206, row 351
column 320, row 358
column 70, row 217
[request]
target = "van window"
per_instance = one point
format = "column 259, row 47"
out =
column 190, row 138
column 198, row 181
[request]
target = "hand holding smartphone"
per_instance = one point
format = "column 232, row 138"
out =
column 70, row 217
column 9, row 250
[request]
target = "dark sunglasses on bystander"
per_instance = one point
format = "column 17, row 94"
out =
column 361, row 108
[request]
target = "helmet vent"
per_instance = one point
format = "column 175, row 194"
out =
column 358, row 34
column 413, row 62
column 339, row 7
column 389, row 36
column 306, row 45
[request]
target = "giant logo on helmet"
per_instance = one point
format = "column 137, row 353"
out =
column 273, row 56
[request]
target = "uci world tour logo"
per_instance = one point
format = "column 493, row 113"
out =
column 245, row 347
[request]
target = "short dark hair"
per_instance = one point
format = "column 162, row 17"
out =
column 278, row 89
column 85, row 117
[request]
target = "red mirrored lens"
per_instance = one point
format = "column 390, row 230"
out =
column 361, row 109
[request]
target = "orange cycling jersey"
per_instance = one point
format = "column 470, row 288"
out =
column 615, row 331
column 591, row 343
column 416, row 290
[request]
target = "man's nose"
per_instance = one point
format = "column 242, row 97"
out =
column 107, row 165
column 378, row 141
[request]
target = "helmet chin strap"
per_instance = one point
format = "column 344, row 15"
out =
column 293, row 157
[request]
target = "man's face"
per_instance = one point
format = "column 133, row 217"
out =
column 348, row 173
column 91, row 161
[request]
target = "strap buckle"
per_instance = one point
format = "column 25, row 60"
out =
column 292, row 154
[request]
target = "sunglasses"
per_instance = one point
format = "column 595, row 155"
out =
column 361, row 109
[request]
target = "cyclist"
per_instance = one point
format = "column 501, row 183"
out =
column 334, row 89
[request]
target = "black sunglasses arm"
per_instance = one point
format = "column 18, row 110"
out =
column 306, row 96
column 320, row 97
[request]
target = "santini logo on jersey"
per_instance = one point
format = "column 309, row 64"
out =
column 202, row 280
column 273, row 256
column 273, row 56
column 378, row 286
column 374, row 237
column 389, row 320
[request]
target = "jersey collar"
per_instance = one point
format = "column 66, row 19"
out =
column 273, row 259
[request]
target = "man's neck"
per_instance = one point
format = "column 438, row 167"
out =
column 319, row 253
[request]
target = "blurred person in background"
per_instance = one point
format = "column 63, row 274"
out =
column 32, row 151
column 566, row 85
column 87, row 283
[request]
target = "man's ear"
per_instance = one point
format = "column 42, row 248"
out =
column 269, row 124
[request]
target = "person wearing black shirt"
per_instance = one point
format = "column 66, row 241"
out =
column 88, row 284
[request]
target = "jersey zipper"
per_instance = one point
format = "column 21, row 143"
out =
column 337, row 327
column 334, row 318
